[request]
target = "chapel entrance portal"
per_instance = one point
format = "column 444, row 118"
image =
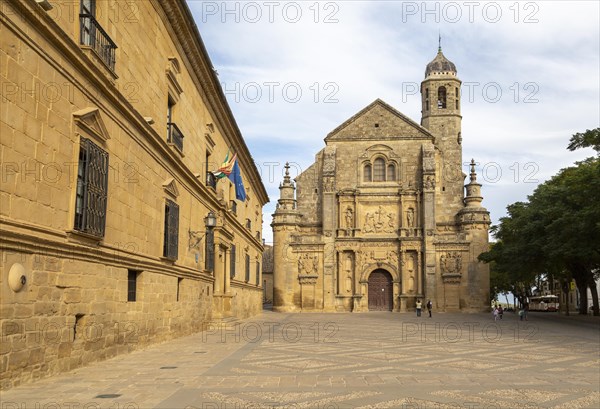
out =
column 380, row 291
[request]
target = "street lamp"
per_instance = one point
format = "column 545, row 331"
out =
column 210, row 220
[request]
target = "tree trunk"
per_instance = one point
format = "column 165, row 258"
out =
column 582, row 297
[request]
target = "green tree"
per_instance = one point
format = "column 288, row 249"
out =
column 587, row 139
column 556, row 233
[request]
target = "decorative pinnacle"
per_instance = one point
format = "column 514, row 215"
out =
column 439, row 42
column 473, row 173
column 286, row 178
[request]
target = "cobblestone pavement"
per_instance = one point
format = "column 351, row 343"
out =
column 330, row 361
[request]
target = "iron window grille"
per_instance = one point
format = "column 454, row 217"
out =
column 132, row 285
column 257, row 273
column 232, row 262
column 171, row 233
column 93, row 35
column 175, row 136
column 91, row 191
column 247, row 267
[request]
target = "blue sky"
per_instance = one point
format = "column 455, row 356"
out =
column 293, row 71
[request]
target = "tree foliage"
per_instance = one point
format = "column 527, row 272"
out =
column 555, row 233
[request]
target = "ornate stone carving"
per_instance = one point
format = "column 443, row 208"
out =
column 308, row 264
column 329, row 184
column 429, row 183
column 379, row 221
column 451, row 263
column 329, row 160
column 428, row 160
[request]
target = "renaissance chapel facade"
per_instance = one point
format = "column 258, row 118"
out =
column 383, row 217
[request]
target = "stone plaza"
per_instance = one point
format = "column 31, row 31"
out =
column 374, row 360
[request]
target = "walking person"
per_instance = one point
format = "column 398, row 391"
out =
column 495, row 313
column 500, row 312
column 429, row 307
column 419, row 306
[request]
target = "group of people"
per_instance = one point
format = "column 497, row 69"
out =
column 498, row 312
column 429, row 306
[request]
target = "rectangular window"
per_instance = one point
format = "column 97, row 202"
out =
column 249, row 224
column 171, row 233
column 132, row 277
column 233, row 206
column 247, row 267
column 91, row 191
column 232, row 262
column 179, row 280
column 211, row 181
column 257, row 273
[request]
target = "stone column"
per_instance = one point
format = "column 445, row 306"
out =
column 329, row 218
column 427, row 281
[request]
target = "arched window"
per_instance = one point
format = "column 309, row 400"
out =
column 391, row 172
column 442, row 98
column 379, row 170
column 456, row 99
column 367, row 173
column 426, row 99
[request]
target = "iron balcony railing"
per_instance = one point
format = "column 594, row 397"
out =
column 93, row 35
column 211, row 180
column 175, row 136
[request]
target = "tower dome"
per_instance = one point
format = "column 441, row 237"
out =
column 440, row 65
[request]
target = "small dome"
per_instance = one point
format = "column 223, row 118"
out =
column 440, row 64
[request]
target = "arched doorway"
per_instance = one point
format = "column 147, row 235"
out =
column 380, row 291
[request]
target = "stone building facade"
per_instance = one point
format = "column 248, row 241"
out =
column 115, row 233
column 380, row 219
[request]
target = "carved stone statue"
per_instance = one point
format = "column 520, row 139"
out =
column 349, row 218
column 410, row 217
column 369, row 223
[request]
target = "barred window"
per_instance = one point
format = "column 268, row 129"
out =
column 232, row 262
column 247, row 267
column 379, row 170
column 91, row 192
column 132, row 276
column 367, row 173
column 171, row 233
column 257, row 273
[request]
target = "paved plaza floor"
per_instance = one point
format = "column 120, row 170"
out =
column 330, row 361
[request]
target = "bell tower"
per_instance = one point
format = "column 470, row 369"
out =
column 440, row 114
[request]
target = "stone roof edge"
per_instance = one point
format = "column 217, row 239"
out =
column 186, row 31
column 385, row 105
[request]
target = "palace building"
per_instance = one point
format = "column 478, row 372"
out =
column 383, row 217
column 117, row 231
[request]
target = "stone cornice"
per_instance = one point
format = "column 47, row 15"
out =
column 188, row 38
